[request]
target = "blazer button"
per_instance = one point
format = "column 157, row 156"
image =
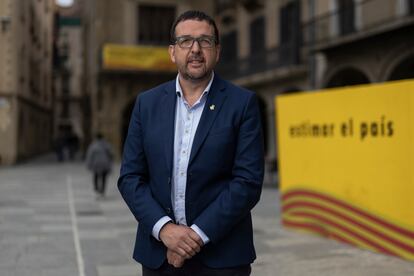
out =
column 168, row 210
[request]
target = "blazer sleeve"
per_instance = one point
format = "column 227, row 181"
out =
column 243, row 191
column 133, row 180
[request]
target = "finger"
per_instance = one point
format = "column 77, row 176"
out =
column 179, row 261
column 177, row 264
column 175, row 260
column 189, row 247
column 182, row 253
column 193, row 245
column 170, row 261
column 170, row 255
column 196, row 238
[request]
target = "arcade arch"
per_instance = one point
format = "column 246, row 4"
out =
column 403, row 70
column 347, row 76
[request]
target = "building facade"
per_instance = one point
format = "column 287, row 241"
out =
column 26, row 39
column 268, row 46
column 282, row 46
column 126, row 28
column 262, row 50
column 364, row 41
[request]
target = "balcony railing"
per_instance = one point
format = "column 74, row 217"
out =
column 358, row 17
column 262, row 61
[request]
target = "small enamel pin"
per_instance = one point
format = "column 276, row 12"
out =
column 212, row 107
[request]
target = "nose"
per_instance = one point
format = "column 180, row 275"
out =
column 196, row 47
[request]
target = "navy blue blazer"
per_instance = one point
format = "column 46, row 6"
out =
column 224, row 177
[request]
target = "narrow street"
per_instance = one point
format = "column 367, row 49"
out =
column 51, row 224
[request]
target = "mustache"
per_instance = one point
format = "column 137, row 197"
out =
column 195, row 58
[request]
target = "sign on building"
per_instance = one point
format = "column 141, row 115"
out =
column 143, row 58
column 346, row 164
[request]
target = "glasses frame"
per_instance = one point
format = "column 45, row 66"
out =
column 194, row 39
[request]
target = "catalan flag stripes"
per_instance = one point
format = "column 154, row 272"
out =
column 334, row 218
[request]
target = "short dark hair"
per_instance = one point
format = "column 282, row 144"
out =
column 194, row 15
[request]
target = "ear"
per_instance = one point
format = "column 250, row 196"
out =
column 218, row 51
column 171, row 51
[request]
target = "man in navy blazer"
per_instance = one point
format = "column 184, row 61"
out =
column 193, row 161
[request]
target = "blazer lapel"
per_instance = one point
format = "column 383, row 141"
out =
column 215, row 100
column 168, row 105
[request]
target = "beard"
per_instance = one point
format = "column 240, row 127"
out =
column 187, row 75
column 202, row 73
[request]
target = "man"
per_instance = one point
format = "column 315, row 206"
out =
column 99, row 157
column 192, row 167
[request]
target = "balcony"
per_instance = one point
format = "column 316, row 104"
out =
column 357, row 20
column 261, row 62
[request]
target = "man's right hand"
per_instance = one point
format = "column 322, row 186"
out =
column 174, row 259
column 181, row 239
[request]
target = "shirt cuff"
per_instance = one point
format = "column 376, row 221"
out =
column 200, row 233
column 157, row 226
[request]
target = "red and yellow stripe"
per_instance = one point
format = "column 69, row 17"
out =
column 334, row 218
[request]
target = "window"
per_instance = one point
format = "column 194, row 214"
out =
column 346, row 16
column 411, row 6
column 154, row 23
column 23, row 11
column 46, row 7
column 229, row 48
column 257, row 35
column 290, row 32
column 290, row 22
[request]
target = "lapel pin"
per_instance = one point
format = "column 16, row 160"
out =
column 212, row 107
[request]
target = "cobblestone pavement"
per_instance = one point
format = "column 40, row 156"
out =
column 51, row 224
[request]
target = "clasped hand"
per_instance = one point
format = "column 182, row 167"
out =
column 181, row 241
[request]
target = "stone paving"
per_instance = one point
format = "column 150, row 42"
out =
column 51, row 224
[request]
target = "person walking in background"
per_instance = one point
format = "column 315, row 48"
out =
column 193, row 163
column 59, row 147
column 99, row 158
column 73, row 145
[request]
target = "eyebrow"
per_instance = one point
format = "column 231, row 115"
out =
column 185, row 36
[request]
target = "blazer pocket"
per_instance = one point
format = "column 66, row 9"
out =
column 221, row 131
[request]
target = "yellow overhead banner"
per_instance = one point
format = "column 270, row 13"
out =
column 143, row 58
column 346, row 164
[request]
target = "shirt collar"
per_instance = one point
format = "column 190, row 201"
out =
column 179, row 90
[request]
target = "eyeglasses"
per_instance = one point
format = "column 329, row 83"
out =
column 188, row 41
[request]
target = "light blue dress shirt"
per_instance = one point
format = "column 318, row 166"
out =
column 186, row 121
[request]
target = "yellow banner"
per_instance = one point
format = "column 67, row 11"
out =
column 346, row 164
column 146, row 58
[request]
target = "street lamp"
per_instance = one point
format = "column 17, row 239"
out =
column 5, row 22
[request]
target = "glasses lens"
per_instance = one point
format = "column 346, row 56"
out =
column 205, row 42
column 187, row 42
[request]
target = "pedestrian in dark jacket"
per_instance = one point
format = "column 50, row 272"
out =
column 99, row 158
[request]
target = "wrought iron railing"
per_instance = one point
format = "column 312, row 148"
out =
column 356, row 18
column 262, row 61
